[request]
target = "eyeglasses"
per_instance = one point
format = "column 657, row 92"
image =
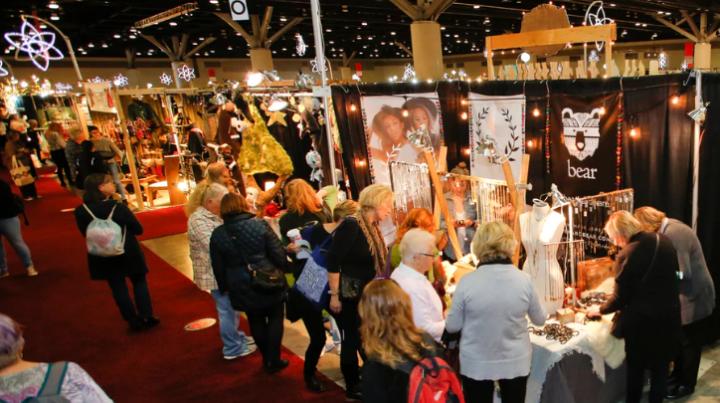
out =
column 434, row 254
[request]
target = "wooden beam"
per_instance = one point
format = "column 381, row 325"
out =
column 175, row 44
column 449, row 221
column 559, row 36
column 489, row 49
column 681, row 21
column 199, row 47
column 676, row 28
column 251, row 40
column 255, row 24
column 712, row 33
column 515, row 200
column 437, row 7
column 346, row 60
column 703, row 27
column 277, row 35
column 266, row 24
column 404, row 48
column 691, row 24
column 411, row 10
column 158, row 45
column 128, row 150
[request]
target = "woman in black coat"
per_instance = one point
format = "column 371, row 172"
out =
column 245, row 239
column 646, row 295
column 89, row 162
column 98, row 191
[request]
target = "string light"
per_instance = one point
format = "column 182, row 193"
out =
column 634, row 133
column 464, row 116
column 353, row 108
column 530, row 144
column 602, row 111
column 536, row 112
column 405, row 113
column 675, row 100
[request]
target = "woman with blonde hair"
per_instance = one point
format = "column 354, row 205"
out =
column 303, row 207
column 392, row 342
column 490, row 307
column 647, row 298
column 356, row 255
column 697, row 296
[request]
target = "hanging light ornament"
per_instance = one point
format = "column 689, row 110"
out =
column 594, row 57
column 300, row 46
column 62, row 87
column 595, row 15
column 166, row 79
column 318, row 65
column 662, row 61
column 186, row 73
column 698, row 114
column 304, row 81
column 409, row 72
column 39, row 46
column 120, row 81
column 3, row 72
column 97, row 80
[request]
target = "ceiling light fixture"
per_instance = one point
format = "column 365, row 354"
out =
column 53, row 5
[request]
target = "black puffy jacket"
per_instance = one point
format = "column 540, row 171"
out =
column 242, row 237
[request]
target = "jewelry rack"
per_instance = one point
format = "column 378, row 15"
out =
column 568, row 254
column 411, row 184
column 491, row 197
column 592, row 212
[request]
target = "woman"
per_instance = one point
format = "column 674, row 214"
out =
column 697, row 296
column 304, row 209
column 241, row 242
column 98, row 202
column 312, row 317
column 490, row 307
column 647, row 297
column 422, row 114
column 392, row 343
column 356, row 256
column 89, row 162
column 15, row 149
column 22, row 380
column 10, row 208
column 389, row 142
column 462, row 209
column 56, row 143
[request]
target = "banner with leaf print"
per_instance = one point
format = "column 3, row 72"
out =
column 496, row 123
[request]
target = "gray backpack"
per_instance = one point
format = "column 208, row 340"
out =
column 50, row 389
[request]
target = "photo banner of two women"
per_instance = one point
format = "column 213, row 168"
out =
column 398, row 128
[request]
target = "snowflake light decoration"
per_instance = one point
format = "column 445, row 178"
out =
column 662, row 61
column 120, row 81
column 318, row 65
column 594, row 57
column 409, row 72
column 39, row 46
column 300, row 46
column 186, row 73
column 63, row 87
column 97, row 80
column 595, row 15
column 3, row 72
column 166, row 79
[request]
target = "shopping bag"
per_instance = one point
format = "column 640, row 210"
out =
column 20, row 173
column 35, row 161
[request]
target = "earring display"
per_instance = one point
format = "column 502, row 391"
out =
column 411, row 185
column 590, row 215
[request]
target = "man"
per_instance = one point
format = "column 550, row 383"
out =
column 697, row 296
column 56, row 144
column 32, row 138
column 73, row 151
column 110, row 154
column 418, row 253
column 201, row 224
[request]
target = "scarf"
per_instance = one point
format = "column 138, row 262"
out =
column 374, row 238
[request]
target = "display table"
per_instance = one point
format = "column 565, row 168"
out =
column 575, row 371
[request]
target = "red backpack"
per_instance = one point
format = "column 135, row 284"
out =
column 432, row 380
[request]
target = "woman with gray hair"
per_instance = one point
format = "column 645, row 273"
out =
column 22, row 380
column 490, row 307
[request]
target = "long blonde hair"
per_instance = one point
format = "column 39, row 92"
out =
column 650, row 218
column 387, row 330
column 196, row 197
column 301, row 197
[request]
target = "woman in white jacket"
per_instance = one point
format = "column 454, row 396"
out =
column 490, row 308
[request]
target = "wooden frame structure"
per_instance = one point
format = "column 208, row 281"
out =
column 597, row 33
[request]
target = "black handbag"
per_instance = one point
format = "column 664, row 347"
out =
column 263, row 279
column 618, row 320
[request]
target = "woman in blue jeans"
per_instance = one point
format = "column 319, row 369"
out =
column 10, row 208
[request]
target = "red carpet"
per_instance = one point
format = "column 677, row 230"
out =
column 69, row 317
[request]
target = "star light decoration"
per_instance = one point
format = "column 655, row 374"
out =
column 121, row 81
column 3, row 72
column 63, row 87
column 97, row 80
column 318, row 65
column 166, row 79
column 300, row 46
column 409, row 73
column 595, row 15
column 186, row 73
column 39, row 46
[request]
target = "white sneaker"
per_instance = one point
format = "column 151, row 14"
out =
column 31, row 272
column 249, row 340
column 249, row 350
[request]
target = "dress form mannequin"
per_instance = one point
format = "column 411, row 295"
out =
column 539, row 227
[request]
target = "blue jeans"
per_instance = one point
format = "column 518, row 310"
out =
column 10, row 229
column 115, row 172
column 233, row 338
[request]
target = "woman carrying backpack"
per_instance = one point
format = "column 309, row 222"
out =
column 129, row 263
column 396, row 351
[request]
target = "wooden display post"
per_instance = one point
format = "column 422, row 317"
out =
column 517, row 198
column 128, row 150
column 595, row 33
column 442, row 203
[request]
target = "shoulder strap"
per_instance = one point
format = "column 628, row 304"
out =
column 89, row 212
column 111, row 212
column 54, row 379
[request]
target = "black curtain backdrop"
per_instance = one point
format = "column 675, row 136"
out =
column 709, row 200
